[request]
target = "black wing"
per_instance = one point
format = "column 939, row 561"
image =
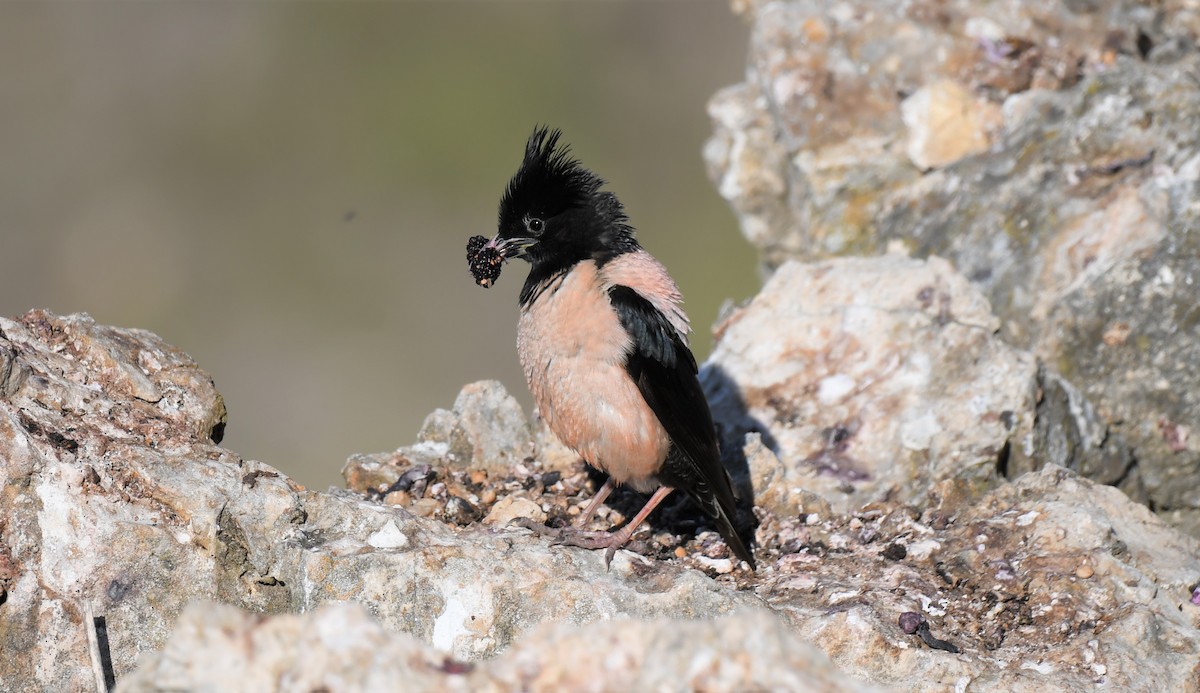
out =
column 665, row 372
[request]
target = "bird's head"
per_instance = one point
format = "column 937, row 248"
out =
column 553, row 213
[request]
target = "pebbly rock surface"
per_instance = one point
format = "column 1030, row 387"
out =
column 118, row 510
column 1032, row 587
column 1047, row 150
column 486, row 429
column 117, row 503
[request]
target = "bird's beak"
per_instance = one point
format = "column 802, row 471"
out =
column 510, row 247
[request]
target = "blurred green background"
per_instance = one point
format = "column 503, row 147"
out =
column 285, row 190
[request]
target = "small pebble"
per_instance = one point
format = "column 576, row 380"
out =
column 425, row 507
column 721, row 566
column 680, row 552
column 910, row 621
column 460, row 511
column 478, row 476
column 388, row 537
column 510, row 508
column 1084, row 572
column 420, row 474
column 398, row 498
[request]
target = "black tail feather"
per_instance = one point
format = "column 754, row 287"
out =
column 714, row 510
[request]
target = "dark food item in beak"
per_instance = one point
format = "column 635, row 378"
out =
column 484, row 261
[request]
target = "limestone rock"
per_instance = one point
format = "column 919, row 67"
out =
column 946, row 123
column 870, row 378
column 127, row 509
column 1024, row 581
column 120, row 509
column 487, row 429
column 338, row 647
column 811, row 148
column 112, row 488
column 511, row 508
column 1073, row 213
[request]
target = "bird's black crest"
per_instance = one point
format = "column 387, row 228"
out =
column 556, row 208
column 549, row 181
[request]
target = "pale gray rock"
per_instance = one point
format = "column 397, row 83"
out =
column 777, row 486
column 870, row 378
column 487, row 429
column 118, row 508
column 339, row 648
column 479, row 589
column 552, row 452
column 1038, row 583
column 111, row 490
column 126, row 508
column 216, row 648
column 751, row 649
column 511, row 508
column 1047, row 150
column 492, row 422
column 819, row 125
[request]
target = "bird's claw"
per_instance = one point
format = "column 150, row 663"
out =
column 591, row 540
column 536, row 527
column 571, row 536
column 583, row 539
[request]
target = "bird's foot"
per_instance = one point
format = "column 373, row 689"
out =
column 536, row 527
column 573, row 536
column 610, row 541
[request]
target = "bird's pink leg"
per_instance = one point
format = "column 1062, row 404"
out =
column 614, row 540
column 595, row 503
column 580, row 521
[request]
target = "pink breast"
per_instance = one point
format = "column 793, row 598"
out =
column 572, row 348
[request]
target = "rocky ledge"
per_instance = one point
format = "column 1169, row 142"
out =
column 122, row 520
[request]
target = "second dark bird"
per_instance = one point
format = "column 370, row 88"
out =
column 603, row 341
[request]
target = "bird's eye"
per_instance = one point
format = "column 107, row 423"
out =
column 535, row 225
